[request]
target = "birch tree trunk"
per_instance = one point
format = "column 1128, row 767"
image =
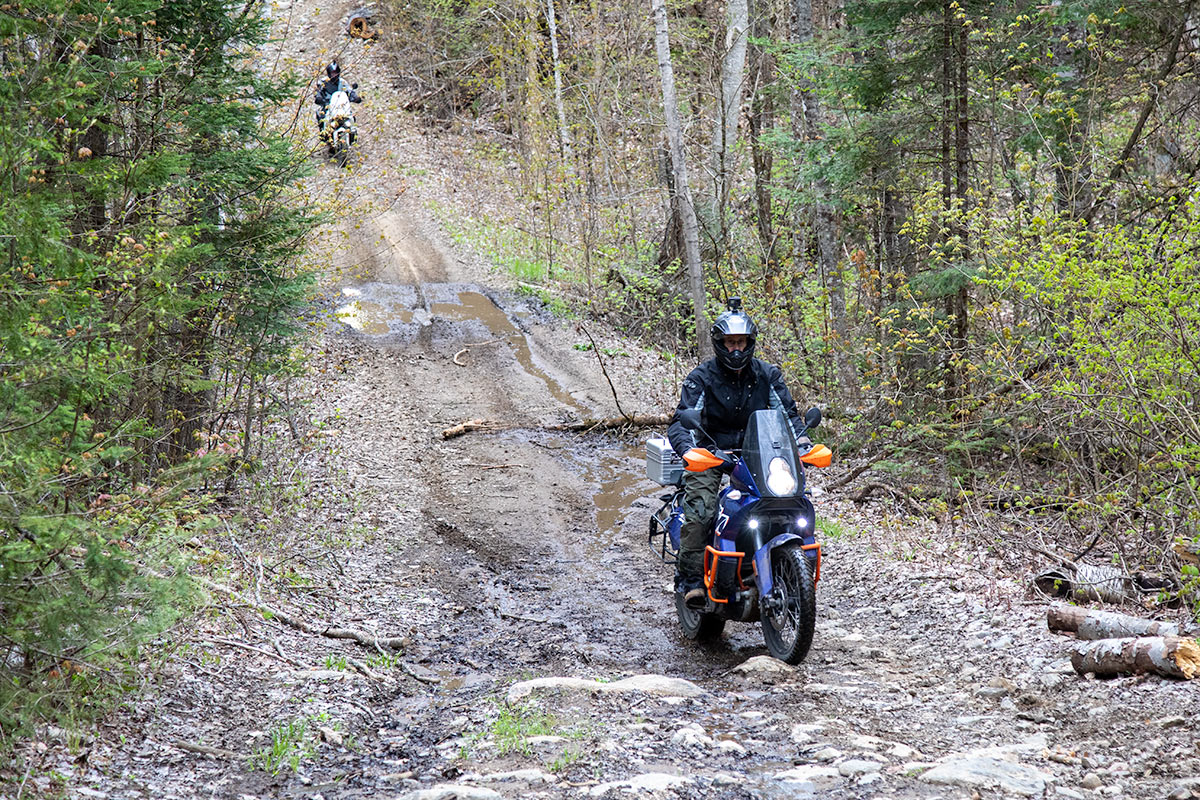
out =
column 533, row 129
column 1091, row 625
column 733, row 82
column 564, row 141
column 1163, row 655
column 823, row 219
column 683, row 195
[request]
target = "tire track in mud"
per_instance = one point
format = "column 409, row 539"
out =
column 518, row 504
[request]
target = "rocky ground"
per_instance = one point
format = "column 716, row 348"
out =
column 539, row 654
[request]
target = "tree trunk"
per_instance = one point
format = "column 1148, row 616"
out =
column 823, row 217
column 1091, row 625
column 533, row 126
column 762, row 118
column 733, row 71
column 683, row 194
column 962, row 193
column 1169, row 656
column 564, row 141
column 1072, row 154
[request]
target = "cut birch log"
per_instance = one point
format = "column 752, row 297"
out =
column 1092, row 625
column 1170, row 656
column 608, row 423
column 1087, row 582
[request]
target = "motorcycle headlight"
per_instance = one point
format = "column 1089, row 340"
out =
column 780, row 480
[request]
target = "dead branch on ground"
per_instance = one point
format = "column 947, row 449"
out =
column 217, row 752
column 583, row 425
column 603, row 369
column 839, row 483
column 468, row 347
column 367, row 640
column 896, row 493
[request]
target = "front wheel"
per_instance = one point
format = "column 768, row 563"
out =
column 697, row 625
column 789, row 622
column 342, row 153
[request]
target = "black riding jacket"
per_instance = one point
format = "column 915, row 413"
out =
column 726, row 400
column 329, row 87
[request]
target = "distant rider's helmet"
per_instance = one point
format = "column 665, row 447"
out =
column 731, row 323
column 333, row 71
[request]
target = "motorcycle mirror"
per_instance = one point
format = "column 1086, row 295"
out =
column 812, row 417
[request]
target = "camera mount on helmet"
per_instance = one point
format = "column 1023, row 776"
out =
column 733, row 322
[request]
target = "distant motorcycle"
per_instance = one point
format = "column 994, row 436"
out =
column 763, row 560
column 339, row 129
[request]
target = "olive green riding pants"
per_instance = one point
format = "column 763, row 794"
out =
column 699, row 507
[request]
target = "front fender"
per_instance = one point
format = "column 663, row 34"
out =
column 762, row 560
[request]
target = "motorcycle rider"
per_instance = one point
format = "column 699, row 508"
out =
column 726, row 390
column 333, row 83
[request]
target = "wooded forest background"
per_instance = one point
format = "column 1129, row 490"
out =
column 968, row 229
column 148, row 295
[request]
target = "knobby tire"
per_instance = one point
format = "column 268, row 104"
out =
column 789, row 634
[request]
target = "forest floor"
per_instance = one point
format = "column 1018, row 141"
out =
column 517, row 553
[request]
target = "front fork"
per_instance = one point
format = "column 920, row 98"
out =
column 770, row 601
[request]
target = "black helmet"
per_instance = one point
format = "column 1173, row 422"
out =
column 333, row 71
column 734, row 322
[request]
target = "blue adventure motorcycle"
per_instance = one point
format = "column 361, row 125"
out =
column 762, row 561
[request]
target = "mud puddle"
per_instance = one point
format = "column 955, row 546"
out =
column 476, row 307
column 441, row 316
column 620, row 476
column 380, row 309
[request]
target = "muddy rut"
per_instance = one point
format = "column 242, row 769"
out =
column 508, row 556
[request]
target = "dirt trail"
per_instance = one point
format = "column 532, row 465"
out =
column 507, row 556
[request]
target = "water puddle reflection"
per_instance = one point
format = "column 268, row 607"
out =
column 377, row 309
column 380, row 309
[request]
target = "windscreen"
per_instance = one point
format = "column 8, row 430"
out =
column 768, row 436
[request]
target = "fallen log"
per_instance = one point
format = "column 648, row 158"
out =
column 895, row 492
column 1092, row 625
column 608, row 423
column 1170, row 656
column 628, row 421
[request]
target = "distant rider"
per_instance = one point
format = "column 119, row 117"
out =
column 333, row 83
column 726, row 390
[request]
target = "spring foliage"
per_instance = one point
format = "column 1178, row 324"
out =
column 1010, row 310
